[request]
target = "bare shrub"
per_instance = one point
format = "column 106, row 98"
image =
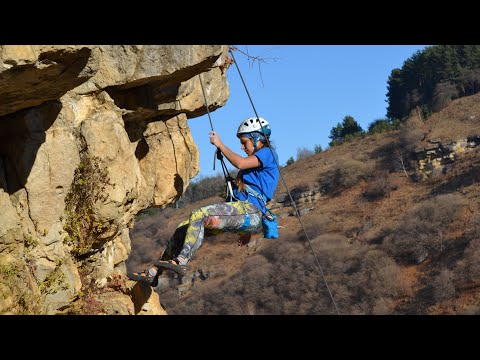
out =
column 410, row 135
column 398, row 155
column 303, row 153
column 469, row 81
column 473, row 230
column 284, row 279
column 386, row 155
column 420, row 232
column 368, row 274
column 383, row 307
column 314, row 226
column 276, row 282
column 378, row 277
column 468, row 269
column 251, row 288
column 443, row 94
column 443, row 285
column 471, row 310
column 378, row 188
column 345, row 175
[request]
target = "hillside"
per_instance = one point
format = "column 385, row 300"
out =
column 394, row 219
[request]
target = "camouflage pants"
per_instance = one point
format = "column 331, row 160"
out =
column 238, row 217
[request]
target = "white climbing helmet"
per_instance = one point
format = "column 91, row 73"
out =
column 254, row 124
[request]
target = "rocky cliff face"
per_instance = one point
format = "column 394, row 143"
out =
column 89, row 136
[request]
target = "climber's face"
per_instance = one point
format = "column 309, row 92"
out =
column 247, row 145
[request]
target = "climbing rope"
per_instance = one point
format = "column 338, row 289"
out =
column 286, row 187
column 206, row 102
column 218, row 154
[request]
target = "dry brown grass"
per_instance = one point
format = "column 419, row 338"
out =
column 460, row 119
column 379, row 187
column 344, row 175
column 443, row 285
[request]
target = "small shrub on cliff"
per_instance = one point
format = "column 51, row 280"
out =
column 15, row 295
column 8, row 270
column 88, row 186
column 86, row 304
column 54, row 281
column 30, row 241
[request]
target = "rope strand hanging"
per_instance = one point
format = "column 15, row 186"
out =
column 218, row 154
column 286, row 187
column 206, row 102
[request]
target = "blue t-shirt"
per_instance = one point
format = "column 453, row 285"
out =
column 262, row 179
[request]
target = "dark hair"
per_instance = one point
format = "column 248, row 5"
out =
column 265, row 143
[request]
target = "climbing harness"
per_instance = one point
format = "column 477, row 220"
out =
column 269, row 221
column 286, row 187
column 256, row 194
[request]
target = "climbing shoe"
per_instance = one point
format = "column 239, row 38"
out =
column 149, row 276
column 172, row 265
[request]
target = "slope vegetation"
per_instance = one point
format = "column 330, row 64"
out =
column 393, row 237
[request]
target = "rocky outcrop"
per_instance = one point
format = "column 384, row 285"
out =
column 305, row 201
column 437, row 156
column 432, row 159
column 89, row 136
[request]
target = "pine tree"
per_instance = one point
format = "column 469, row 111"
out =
column 417, row 83
column 348, row 128
column 317, row 149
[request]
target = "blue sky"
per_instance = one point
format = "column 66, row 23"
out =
column 302, row 91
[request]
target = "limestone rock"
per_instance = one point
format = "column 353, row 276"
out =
column 115, row 303
column 436, row 159
column 10, row 233
column 30, row 76
column 89, row 136
column 122, row 248
column 146, row 300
